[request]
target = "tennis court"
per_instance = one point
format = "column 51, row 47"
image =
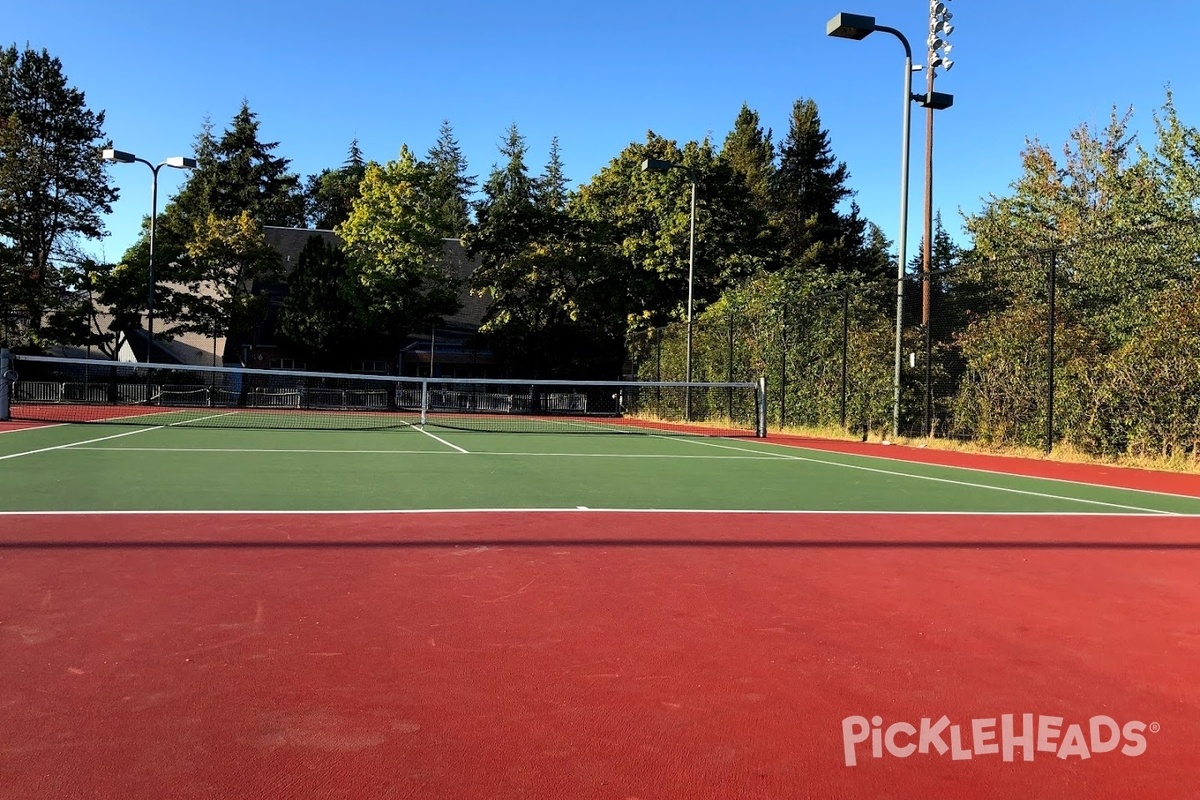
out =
column 190, row 607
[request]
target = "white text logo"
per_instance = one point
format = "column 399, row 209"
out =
column 1011, row 734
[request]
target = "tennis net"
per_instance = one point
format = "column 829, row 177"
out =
column 48, row 389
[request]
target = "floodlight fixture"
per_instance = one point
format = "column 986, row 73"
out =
column 119, row 156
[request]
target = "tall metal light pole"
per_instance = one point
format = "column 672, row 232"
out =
column 858, row 27
column 658, row 165
column 178, row 162
column 938, row 52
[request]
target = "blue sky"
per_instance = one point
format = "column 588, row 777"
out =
column 599, row 75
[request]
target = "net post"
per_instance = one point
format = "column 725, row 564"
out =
column 424, row 401
column 760, row 403
column 8, row 376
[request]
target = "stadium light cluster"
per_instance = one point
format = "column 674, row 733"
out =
column 939, row 34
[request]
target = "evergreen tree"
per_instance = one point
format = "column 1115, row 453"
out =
column 53, row 192
column 235, row 173
column 806, row 192
column 451, row 187
column 330, row 195
column 751, row 153
column 536, row 264
column 506, row 217
column 247, row 177
column 550, row 190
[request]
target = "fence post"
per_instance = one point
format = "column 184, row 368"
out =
column 761, row 407
column 1050, row 297
column 845, row 348
column 657, row 333
column 7, row 377
column 783, row 370
column 730, row 374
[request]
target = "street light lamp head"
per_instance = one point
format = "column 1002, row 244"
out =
column 656, row 165
column 119, row 156
column 181, row 162
column 850, row 26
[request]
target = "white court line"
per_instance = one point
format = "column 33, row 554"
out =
column 587, row 510
column 435, row 438
column 899, row 474
column 985, row 471
column 106, row 438
column 762, row 457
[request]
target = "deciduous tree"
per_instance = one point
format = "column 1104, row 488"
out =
column 394, row 243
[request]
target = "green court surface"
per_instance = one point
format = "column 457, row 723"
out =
column 101, row 467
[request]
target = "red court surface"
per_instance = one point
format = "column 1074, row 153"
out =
column 587, row 655
column 15, row 425
column 1099, row 474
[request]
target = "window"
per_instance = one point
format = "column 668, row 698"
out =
column 372, row 367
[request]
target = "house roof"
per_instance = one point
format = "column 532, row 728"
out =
column 472, row 307
column 290, row 242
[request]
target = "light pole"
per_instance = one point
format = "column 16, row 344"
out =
column 658, row 165
column 857, row 27
column 938, row 51
column 178, row 162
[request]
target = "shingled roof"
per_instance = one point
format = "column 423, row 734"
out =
column 289, row 242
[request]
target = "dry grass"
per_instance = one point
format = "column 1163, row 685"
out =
column 1063, row 452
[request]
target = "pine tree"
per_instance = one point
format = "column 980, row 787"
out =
column 53, row 191
column 806, row 192
column 330, row 195
column 505, row 217
column 236, row 173
column 751, row 153
column 550, row 189
column 532, row 265
column 248, row 178
column 451, row 186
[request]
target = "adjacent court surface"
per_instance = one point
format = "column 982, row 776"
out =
column 192, row 610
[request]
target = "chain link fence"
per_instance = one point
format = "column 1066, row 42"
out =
column 1094, row 344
